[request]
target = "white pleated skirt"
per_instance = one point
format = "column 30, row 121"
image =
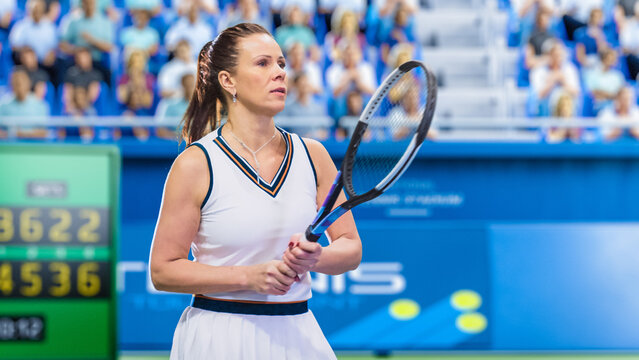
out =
column 204, row 334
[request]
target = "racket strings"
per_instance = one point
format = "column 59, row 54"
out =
column 394, row 122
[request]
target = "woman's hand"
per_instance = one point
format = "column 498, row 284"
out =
column 301, row 256
column 273, row 278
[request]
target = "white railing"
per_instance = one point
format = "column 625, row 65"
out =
column 448, row 129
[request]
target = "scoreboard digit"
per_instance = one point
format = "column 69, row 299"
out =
column 58, row 231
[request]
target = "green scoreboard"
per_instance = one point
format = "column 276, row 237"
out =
column 58, row 231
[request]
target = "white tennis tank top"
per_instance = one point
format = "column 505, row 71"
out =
column 245, row 221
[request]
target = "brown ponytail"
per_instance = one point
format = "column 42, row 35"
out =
column 203, row 113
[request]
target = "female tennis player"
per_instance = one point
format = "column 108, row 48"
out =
column 239, row 199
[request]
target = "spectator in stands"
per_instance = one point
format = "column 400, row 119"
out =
column 81, row 104
column 558, row 76
column 576, row 13
column 332, row 7
column 52, row 10
column 90, row 30
column 296, row 30
column 387, row 8
column 350, row 73
column 354, row 108
column 301, row 104
column 565, row 112
column 534, row 54
column 36, row 32
column 153, row 6
column 328, row 9
column 104, row 7
column 604, row 81
column 140, row 36
column 400, row 54
column 135, row 88
column 38, row 77
column 301, row 101
column 24, row 104
column 629, row 41
column 298, row 63
column 411, row 110
column 396, row 30
column 344, row 27
column 624, row 9
column 210, row 7
column 7, row 9
column 171, row 111
column 170, row 76
column 192, row 29
column 624, row 108
column 245, row 11
column 591, row 39
column 279, row 9
column 354, row 103
column 82, row 75
column 525, row 13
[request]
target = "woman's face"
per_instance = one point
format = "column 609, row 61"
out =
column 403, row 57
column 401, row 16
column 349, row 24
column 260, row 79
column 137, row 61
column 565, row 108
column 610, row 59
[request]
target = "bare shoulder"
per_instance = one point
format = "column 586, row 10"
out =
column 190, row 174
column 322, row 160
column 317, row 151
column 191, row 159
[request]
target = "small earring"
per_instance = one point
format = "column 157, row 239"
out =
column 234, row 98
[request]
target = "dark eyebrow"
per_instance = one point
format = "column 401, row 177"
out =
column 270, row 57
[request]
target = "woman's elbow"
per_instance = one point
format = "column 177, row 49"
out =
column 358, row 260
column 157, row 277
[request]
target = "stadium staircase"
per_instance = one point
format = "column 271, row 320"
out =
column 464, row 42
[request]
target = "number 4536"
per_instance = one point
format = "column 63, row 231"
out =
column 30, row 277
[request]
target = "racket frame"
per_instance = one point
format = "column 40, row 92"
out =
column 327, row 215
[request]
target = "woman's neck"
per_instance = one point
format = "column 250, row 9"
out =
column 254, row 130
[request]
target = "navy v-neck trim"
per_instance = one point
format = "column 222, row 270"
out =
column 275, row 185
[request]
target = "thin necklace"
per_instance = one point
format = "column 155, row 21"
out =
column 257, row 163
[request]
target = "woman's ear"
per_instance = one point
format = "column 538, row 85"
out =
column 226, row 82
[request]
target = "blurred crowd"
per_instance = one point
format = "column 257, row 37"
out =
column 579, row 58
column 87, row 58
column 81, row 58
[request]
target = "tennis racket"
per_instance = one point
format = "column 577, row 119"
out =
column 399, row 114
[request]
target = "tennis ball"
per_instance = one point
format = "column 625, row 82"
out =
column 404, row 309
column 465, row 300
column 471, row 323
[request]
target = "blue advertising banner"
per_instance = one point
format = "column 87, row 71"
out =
column 415, row 289
column 565, row 286
column 418, row 287
column 447, row 263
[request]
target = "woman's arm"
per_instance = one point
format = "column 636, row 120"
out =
column 178, row 224
column 344, row 253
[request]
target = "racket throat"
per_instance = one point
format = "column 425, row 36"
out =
column 313, row 233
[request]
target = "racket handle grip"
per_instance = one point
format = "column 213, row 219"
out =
column 310, row 236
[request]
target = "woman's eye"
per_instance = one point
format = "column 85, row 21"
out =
column 282, row 65
column 261, row 63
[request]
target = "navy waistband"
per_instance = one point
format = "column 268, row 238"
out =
column 249, row 308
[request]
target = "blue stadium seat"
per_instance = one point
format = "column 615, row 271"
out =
column 523, row 74
column 104, row 105
column 52, row 99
